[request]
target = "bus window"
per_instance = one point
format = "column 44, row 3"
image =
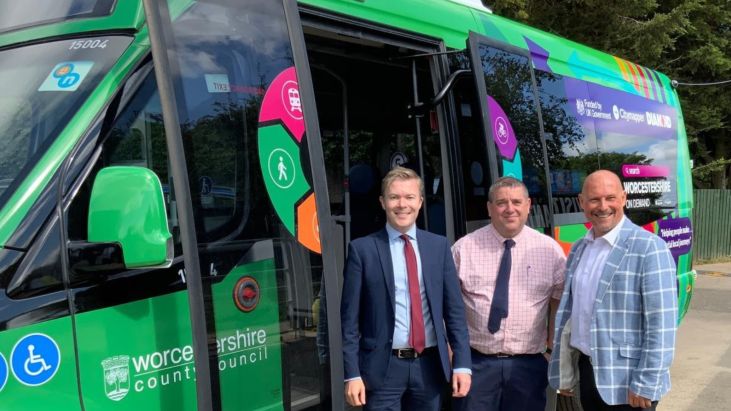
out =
column 32, row 117
column 40, row 271
column 571, row 145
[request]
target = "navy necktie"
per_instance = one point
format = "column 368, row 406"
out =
column 499, row 305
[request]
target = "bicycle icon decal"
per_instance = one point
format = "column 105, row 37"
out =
column 35, row 359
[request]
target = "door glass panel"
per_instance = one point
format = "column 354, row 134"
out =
column 514, row 124
column 474, row 164
column 242, row 123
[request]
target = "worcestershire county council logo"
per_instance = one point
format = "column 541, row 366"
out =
column 116, row 377
column 580, row 107
column 246, row 294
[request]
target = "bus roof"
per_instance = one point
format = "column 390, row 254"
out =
column 452, row 20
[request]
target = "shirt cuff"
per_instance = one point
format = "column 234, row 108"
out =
column 462, row 371
column 352, row 379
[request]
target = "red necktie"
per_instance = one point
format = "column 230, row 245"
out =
column 416, row 337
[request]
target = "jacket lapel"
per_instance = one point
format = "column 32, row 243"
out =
column 614, row 260
column 384, row 254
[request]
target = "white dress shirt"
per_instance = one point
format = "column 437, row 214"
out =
column 585, row 284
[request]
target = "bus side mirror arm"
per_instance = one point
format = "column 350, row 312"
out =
column 93, row 259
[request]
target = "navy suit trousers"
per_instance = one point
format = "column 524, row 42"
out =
column 409, row 385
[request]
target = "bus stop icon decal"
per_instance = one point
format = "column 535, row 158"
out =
column 35, row 359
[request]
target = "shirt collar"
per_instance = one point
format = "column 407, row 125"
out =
column 394, row 233
column 611, row 236
column 502, row 239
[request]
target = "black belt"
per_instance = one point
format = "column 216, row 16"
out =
column 410, row 353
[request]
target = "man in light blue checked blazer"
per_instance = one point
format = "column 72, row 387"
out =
column 615, row 326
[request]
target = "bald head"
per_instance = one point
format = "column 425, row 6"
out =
column 601, row 177
column 603, row 199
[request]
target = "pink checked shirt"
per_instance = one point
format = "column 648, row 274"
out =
column 536, row 276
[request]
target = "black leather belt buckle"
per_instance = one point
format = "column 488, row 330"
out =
column 502, row 355
column 406, row 353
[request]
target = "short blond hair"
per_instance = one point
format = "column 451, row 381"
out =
column 401, row 173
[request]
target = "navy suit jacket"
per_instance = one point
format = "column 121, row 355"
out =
column 368, row 305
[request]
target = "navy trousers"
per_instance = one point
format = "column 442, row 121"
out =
column 409, row 385
column 516, row 383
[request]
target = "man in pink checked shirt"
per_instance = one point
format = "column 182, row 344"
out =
column 511, row 277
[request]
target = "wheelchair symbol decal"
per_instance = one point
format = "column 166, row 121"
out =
column 3, row 372
column 35, row 359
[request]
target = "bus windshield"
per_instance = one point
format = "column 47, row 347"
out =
column 43, row 85
column 17, row 15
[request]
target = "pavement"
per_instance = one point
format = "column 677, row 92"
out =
column 701, row 371
column 720, row 269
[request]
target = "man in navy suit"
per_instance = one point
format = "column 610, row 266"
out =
column 401, row 304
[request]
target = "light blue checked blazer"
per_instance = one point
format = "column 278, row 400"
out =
column 634, row 320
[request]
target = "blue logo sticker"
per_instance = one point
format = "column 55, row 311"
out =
column 35, row 359
column 3, row 372
column 66, row 76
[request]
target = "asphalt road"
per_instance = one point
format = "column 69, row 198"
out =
column 701, row 371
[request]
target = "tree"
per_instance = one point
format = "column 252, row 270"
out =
column 689, row 40
column 703, row 54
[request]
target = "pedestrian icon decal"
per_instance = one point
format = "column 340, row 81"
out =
column 282, row 169
column 35, row 359
column 281, row 166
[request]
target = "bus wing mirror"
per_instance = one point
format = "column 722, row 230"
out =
column 127, row 207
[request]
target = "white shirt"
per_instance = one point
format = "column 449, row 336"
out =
column 585, row 284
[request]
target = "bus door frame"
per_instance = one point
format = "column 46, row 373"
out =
column 160, row 25
column 424, row 45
